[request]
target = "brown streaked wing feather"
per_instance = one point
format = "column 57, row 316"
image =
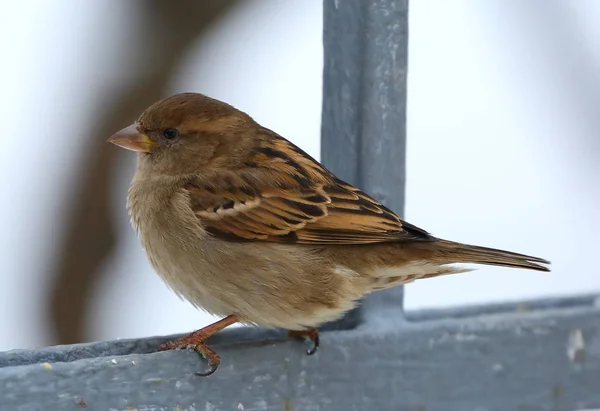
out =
column 283, row 195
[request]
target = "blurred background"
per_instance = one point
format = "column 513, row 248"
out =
column 503, row 143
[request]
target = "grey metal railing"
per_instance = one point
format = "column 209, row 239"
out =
column 541, row 355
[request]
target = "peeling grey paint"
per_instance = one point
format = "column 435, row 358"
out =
column 576, row 346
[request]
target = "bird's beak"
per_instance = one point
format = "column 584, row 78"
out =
column 131, row 139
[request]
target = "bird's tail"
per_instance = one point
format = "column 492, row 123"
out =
column 449, row 252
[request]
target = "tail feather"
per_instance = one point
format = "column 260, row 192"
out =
column 451, row 252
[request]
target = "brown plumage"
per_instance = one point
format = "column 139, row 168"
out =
column 244, row 224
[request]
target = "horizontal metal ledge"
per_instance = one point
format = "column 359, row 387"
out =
column 540, row 358
column 590, row 300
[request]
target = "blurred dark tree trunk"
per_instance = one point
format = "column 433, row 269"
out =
column 89, row 236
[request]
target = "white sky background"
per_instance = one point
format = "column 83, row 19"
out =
column 500, row 152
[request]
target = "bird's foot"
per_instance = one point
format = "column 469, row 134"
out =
column 210, row 355
column 311, row 334
column 196, row 342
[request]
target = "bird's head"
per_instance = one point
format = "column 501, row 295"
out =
column 187, row 132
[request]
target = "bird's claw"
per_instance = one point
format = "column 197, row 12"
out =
column 314, row 348
column 212, row 368
column 195, row 341
column 310, row 334
column 214, row 360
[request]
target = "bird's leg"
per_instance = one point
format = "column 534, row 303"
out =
column 196, row 341
column 311, row 334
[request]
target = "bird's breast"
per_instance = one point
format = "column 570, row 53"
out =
column 172, row 237
column 269, row 284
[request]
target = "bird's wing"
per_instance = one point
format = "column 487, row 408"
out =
column 283, row 195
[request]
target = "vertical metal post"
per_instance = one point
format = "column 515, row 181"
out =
column 363, row 130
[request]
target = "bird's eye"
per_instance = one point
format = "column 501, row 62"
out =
column 170, row 133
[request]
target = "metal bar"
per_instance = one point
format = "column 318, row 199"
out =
column 363, row 132
column 518, row 358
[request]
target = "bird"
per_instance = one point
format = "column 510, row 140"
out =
column 245, row 225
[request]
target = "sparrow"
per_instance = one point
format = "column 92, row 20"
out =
column 245, row 225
